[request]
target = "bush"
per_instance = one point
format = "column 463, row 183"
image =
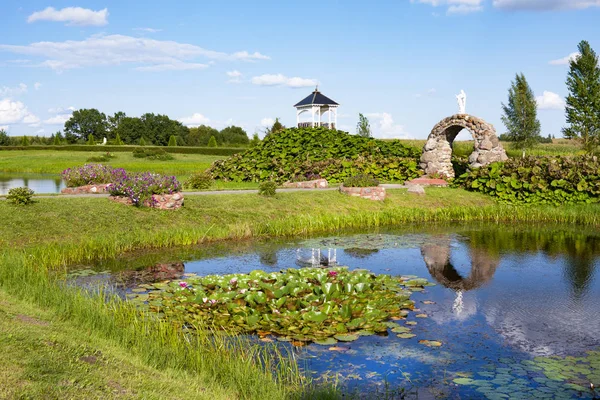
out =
column 199, row 180
column 20, row 196
column 118, row 141
column 361, row 181
column 545, row 180
column 216, row 151
column 139, row 188
column 92, row 174
column 103, row 158
column 142, row 142
column 91, row 141
column 334, row 155
column 153, row 154
column 309, row 176
column 212, row 142
column 267, row 189
column 172, row 141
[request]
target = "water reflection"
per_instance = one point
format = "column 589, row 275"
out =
column 39, row 183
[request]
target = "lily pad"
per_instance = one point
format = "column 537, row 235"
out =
column 421, row 316
column 430, row 343
column 406, row 335
column 463, row 381
column 326, row 342
column 346, row 338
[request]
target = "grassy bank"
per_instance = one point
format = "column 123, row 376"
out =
column 37, row 242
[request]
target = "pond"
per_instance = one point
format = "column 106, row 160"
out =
column 39, row 183
column 516, row 309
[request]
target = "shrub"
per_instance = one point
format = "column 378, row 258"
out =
column 309, row 176
column 153, row 154
column 118, row 141
column 92, row 174
column 20, row 196
column 334, row 155
column 216, row 151
column 103, row 158
column 361, row 181
column 142, row 142
column 139, row 188
column 267, row 189
column 199, row 180
column 212, row 142
column 91, row 140
column 172, row 141
column 545, row 180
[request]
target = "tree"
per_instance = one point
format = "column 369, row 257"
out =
column 24, row 141
column 86, row 122
column 142, row 142
column 583, row 102
column 58, row 139
column 234, row 135
column 130, row 129
column 201, row 135
column 255, row 140
column 520, row 115
column 212, row 142
column 172, row 141
column 277, row 127
column 113, row 123
column 4, row 139
column 363, row 128
column 91, row 140
column 118, row 140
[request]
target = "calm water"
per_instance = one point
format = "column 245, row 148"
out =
column 517, row 309
column 39, row 183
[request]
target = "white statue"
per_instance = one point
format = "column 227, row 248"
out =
column 462, row 102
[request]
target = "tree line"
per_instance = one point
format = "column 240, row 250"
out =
column 582, row 109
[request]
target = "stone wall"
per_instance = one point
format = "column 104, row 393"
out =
column 316, row 184
column 87, row 189
column 437, row 152
column 370, row 193
column 160, row 201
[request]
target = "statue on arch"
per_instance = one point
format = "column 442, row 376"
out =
column 462, row 102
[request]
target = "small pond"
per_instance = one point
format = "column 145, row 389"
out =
column 39, row 183
column 517, row 309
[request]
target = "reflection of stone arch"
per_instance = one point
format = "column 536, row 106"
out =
column 437, row 153
column 437, row 259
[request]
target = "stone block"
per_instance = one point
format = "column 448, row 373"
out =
column 416, row 189
column 87, row 189
column 376, row 193
column 314, row 184
column 161, row 202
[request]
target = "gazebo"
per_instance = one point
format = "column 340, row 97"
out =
column 317, row 104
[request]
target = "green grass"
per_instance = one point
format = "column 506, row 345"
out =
column 54, row 162
column 37, row 242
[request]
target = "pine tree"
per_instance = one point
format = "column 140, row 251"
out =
column 363, row 128
column 142, row 142
column 172, row 141
column 583, row 102
column 212, row 142
column 520, row 115
column 56, row 141
column 24, row 141
column 255, row 140
column 118, row 140
column 91, row 140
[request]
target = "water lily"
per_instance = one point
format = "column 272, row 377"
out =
column 333, row 273
column 233, row 281
column 184, row 285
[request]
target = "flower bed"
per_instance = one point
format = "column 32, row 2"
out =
column 147, row 189
column 92, row 174
column 86, row 189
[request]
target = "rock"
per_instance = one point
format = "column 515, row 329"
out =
column 431, row 144
column 416, row 189
column 486, row 144
column 94, row 189
column 176, row 197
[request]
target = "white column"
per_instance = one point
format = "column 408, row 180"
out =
column 319, row 116
column 335, row 116
column 297, row 117
column 313, row 117
column 329, row 109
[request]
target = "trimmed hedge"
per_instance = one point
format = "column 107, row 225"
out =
column 215, row 151
column 541, row 180
column 334, row 155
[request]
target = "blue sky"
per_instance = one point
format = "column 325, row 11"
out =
column 399, row 62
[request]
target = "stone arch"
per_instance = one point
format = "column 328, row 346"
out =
column 437, row 260
column 437, row 152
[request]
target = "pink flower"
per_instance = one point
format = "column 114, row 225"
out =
column 213, row 302
column 183, row 285
column 333, row 273
column 233, row 281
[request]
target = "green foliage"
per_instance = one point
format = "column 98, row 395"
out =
column 277, row 127
column 58, row 139
column 267, row 188
column 24, row 141
column 103, row 158
column 142, row 142
column 118, row 141
column 583, row 101
column 201, row 135
column 335, row 155
column 307, row 304
column 4, row 139
column 20, row 196
column 217, row 151
column 200, row 180
column 234, row 135
column 91, row 141
column 255, row 140
column 172, row 141
column 84, row 123
column 361, row 181
column 545, row 180
column 153, row 154
column 520, row 115
column 363, row 128
column 212, row 142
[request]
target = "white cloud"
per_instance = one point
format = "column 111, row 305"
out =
column 550, row 101
column 59, row 110
column 235, row 76
column 565, row 60
column 106, row 50
column 72, row 15
column 13, row 91
column 37, row 86
column 15, row 112
column 4, row 128
column 455, row 6
column 196, row 119
column 149, row 30
column 267, row 122
column 59, row 119
column 385, row 128
column 282, row 80
column 544, row 5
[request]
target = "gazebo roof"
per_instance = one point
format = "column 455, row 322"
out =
column 316, row 98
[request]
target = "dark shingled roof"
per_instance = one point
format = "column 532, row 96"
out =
column 316, row 98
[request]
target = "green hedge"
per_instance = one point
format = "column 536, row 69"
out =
column 216, row 151
column 334, row 155
column 546, row 180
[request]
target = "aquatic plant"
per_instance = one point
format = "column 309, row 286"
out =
column 298, row 305
column 92, row 174
column 139, row 188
